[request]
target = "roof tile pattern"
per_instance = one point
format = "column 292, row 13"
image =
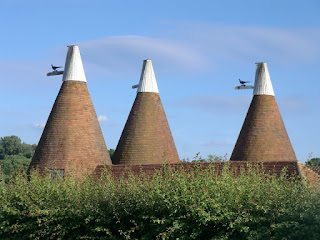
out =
column 263, row 136
column 72, row 138
column 146, row 137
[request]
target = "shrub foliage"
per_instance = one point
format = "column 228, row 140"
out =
column 199, row 204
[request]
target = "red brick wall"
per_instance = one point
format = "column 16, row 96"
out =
column 146, row 137
column 276, row 168
column 72, row 138
column 316, row 169
column 263, row 136
column 309, row 176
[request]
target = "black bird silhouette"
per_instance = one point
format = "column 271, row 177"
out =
column 55, row 67
column 243, row 82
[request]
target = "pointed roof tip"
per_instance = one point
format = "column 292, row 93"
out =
column 262, row 82
column 73, row 69
column 148, row 81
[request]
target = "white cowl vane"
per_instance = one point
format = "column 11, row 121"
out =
column 262, row 83
column 148, row 81
column 73, row 69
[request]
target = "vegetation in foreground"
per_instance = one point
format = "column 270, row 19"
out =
column 171, row 205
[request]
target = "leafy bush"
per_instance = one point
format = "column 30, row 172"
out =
column 199, row 204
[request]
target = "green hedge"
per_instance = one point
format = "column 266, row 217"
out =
column 170, row 205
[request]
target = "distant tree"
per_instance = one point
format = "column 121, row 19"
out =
column 27, row 150
column 210, row 158
column 14, row 155
column 313, row 162
column 14, row 163
column 10, row 145
column 111, row 152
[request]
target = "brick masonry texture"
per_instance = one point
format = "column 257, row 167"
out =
column 274, row 168
column 263, row 136
column 72, row 138
column 316, row 169
column 309, row 176
column 146, row 137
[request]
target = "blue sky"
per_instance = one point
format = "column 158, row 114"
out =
column 198, row 48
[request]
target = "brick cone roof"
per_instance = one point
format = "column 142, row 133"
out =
column 263, row 136
column 72, row 139
column 146, row 137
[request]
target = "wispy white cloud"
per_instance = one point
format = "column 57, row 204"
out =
column 102, row 118
column 198, row 47
column 125, row 53
column 40, row 125
column 106, row 122
column 190, row 48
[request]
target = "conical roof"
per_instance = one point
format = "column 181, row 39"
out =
column 146, row 137
column 72, row 140
column 263, row 136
